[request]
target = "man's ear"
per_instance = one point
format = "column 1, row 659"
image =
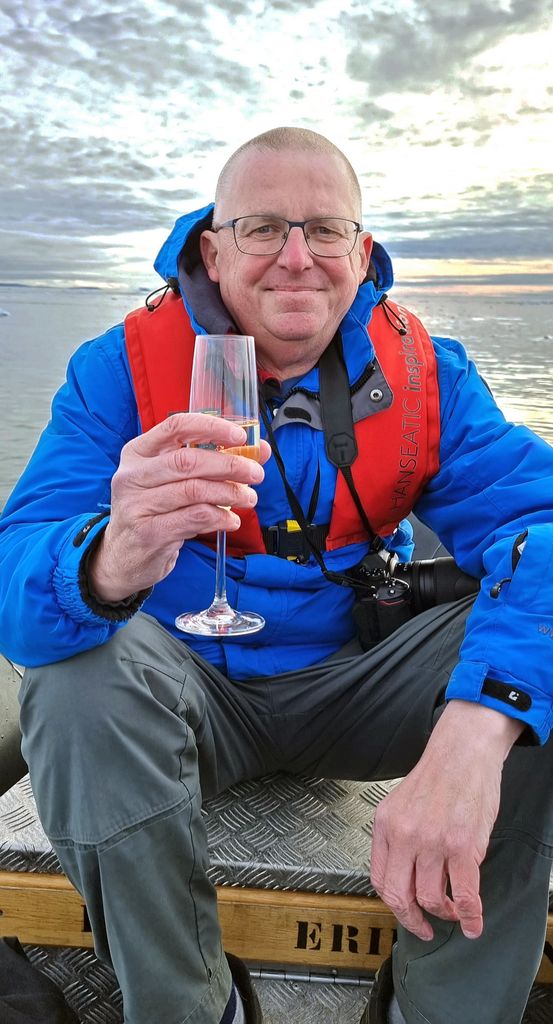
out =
column 365, row 244
column 209, row 248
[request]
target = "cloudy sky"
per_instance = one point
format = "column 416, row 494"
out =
column 116, row 116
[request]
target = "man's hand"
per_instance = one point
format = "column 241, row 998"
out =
column 164, row 493
column 432, row 831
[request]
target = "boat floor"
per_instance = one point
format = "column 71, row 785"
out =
column 92, row 992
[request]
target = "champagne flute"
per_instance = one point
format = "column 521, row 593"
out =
column 224, row 383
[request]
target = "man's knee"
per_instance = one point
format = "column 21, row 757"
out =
column 73, row 690
column 106, row 729
column 56, row 693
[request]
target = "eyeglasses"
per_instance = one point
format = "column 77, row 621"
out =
column 260, row 235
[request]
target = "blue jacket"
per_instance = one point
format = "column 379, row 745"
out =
column 495, row 484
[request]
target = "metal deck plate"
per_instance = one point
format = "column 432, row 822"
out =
column 284, row 1002
column 91, row 990
column 280, row 832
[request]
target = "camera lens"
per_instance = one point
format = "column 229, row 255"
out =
column 435, row 581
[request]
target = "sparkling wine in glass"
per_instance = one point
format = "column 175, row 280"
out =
column 224, row 383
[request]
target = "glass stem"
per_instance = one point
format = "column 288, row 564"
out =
column 220, row 574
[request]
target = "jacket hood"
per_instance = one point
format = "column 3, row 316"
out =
column 187, row 229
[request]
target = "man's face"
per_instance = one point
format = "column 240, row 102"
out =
column 291, row 302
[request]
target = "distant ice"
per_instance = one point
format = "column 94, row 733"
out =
column 4, row 312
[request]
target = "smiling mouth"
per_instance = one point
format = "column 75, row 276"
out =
column 294, row 291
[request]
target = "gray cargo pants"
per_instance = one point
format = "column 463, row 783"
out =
column 124, row 741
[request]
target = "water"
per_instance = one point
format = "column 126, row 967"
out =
column 511, row 338
column 44, row 327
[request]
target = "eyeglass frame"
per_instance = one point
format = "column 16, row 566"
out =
column 291, row 224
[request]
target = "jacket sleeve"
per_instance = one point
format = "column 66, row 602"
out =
column 491, row 504
column 60, row 505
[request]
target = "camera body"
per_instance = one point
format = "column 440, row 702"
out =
column 387, row 597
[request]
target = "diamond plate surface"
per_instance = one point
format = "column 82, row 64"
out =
column 289, row 833
column 89, row 987
column 91, row 990
column 283, row 1002
column 23, row 845
column 280, row 832
column 305, row 1003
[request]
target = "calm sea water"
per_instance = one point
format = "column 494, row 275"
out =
column 510, row 338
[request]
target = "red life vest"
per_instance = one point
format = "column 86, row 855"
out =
column 398, row 446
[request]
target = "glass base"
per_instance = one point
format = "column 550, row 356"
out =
column 220, row 620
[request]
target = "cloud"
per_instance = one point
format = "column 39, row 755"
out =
column 91, row 131
column 471, row 89
column 527, row 110
column 115, row 117
column 373, row 113
column 120, row 48
column 427, row 43
column 512, row 223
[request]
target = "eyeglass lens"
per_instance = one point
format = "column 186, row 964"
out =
column 325, row 236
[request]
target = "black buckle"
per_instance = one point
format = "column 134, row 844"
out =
column 287, row 540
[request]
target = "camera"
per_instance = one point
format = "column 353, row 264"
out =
column 389, row 597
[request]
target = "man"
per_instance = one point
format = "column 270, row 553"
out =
column 127, row 724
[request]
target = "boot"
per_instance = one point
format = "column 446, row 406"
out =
column 242, row 979
column 381, row 996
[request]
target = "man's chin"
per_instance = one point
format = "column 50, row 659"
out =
column 294, row 326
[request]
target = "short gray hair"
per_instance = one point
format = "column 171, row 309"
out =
column 302, row 139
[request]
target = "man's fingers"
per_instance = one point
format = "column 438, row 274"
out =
column 188, row 428
column 200, row 462
column 464, row 877
column 398, row 892
column 379, row 856
column 195, row 464
column 393, row 876
column 187, row 464
column 431, row 887
column 409, row 889
column 264, row 451
column 196, row 520
column 185, row 494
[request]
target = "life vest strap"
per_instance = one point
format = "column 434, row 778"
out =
column 287, row 539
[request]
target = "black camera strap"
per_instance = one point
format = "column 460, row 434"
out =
column 341, row 448
column 337, row 417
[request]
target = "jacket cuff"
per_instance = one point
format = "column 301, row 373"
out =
column 120, row 611
column 480, row 683
column 70, row 581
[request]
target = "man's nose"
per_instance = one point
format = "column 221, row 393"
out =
column 295, row 254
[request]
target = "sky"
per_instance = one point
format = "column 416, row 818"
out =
column 116, row 118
